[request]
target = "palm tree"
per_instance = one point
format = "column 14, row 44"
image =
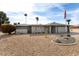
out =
column 25, row 16
column 18, row 22
column 68, row 27
column 37, row 19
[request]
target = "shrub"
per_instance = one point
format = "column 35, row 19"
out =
column 8, row 28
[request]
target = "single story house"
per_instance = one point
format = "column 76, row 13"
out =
column 39, row 28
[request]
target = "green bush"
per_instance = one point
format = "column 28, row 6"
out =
column 8, row 28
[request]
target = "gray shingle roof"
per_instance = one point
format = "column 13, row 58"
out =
column 54, row 23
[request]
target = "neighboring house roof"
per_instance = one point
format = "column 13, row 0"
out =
column 75, row 26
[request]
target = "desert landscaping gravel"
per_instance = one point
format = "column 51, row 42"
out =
column 35, row 45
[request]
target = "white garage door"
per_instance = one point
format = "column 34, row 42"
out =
column 62, row 29
column 21, row 31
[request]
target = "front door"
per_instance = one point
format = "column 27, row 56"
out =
column 52, row 29
column 29, row 30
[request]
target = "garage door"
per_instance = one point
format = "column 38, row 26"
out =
column 22, row 31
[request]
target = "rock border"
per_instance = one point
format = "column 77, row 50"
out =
column 66, row 44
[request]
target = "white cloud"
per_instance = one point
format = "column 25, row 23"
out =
column 16, row 5
column 44, row 20
column 29, row 7
column 74, row 16
column 42, row 7
column 25, row 6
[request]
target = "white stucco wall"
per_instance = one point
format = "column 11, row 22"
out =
column 50, row 29
column 41, row 29
column 56, row 29
column 38, row 29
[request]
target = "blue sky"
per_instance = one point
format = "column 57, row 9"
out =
column 55, row 12
column 47, row 12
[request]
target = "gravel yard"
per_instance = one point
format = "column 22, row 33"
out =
column 35, row 45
